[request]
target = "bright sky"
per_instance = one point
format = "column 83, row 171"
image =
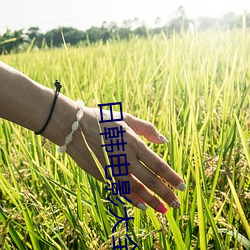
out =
column 81, row 14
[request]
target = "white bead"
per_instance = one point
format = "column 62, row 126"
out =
column 75, row 126
column 80, row 104
column 62, row 149
column 79, row 114
column 69, row 138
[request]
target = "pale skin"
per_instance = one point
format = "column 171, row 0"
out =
column 28, row 103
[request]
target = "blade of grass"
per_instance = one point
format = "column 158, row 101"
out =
column 211, row 220
column 12, row 231
column 175, row 231
column 239, row 208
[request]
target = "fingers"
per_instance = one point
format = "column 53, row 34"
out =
column 154, row 183
column 140, row 195
column 137, row 201
column 151, row 159
column 141, row 180
column 160, row 167
column 144, row 128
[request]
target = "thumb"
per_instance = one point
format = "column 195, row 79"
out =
column 144, row 128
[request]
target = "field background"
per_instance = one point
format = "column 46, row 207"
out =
column 194, row 88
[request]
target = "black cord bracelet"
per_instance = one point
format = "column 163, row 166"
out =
column 58, row 87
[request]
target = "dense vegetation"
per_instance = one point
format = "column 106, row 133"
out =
column 194, row 88
column 21, row 40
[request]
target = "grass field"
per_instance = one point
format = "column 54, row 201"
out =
column 194, row 88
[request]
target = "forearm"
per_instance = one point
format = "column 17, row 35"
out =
column 27, row 103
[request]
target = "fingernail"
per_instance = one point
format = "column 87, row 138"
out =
column 181, row 186
column 161, row 208
column 163, row 138
column 175, row 204
column 142, row 207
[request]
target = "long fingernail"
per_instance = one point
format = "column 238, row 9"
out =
column 175, row 204
column 163, row 138
column 161, row 208
column 142, row 207
column 181, row 186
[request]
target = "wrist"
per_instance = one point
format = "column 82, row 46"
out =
column 61, row 120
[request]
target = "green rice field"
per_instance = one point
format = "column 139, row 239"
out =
column 196, row 91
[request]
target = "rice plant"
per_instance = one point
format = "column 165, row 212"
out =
column 194, row 88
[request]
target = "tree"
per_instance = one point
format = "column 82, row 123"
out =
column 157, row 22
column 34, row 33
column 180, row 22
column 13, row 41
column 127, row 24
column 229, row 20
column 71, row 35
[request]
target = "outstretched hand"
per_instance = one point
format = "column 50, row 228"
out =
column 21, row 97
column 146, row 169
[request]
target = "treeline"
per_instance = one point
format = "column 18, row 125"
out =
column 20, row 40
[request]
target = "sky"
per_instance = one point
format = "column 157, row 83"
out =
column 81, row 14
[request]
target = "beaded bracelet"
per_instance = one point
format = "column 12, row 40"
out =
column 74, row 127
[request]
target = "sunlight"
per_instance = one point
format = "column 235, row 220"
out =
column 214, row 8
column 82, row 16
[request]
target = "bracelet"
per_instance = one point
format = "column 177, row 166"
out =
column 74, row 127
column 58, row 87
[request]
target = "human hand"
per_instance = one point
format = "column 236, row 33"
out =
column 21, row 98
column 146, row 169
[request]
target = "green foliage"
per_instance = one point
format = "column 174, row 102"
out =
column 13, row 41
column 20, row 41
column 195, row 89
column 71, row 35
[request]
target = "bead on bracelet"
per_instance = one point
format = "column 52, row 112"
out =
column 75, row 125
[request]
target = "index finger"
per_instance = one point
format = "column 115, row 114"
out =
column 144, row 128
